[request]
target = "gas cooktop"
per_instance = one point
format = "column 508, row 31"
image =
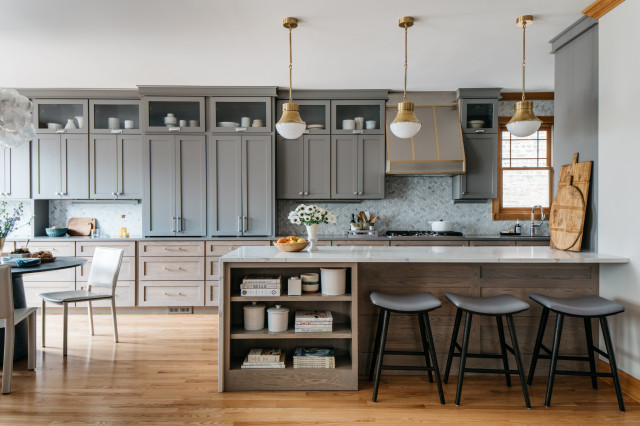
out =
column 391, row 234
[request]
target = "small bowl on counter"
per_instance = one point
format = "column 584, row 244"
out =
column 55, row 232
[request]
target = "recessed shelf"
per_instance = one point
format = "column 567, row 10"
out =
column 340, row 331
column 316, row 297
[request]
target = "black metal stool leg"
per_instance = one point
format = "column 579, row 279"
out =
column 503, row 348
column 536, row 349
column 425, row 347
column 452, row 346
column 383, row 340
column 592, row 359
column 463, row 355
column 376, row 346
column 516, row 349
column 554, row 358
column 432, row 348
column 612, row 360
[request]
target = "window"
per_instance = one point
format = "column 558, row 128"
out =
column 525, row 173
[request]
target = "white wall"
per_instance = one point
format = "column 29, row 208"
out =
column 619, row 198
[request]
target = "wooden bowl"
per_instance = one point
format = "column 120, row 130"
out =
column 292, row 247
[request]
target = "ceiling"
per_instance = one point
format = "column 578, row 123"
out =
column 339, row 44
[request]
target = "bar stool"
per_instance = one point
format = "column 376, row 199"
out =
column 586, row 307
column 420, row 304
column 498, row 306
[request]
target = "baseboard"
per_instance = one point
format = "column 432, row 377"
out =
column 629, row 384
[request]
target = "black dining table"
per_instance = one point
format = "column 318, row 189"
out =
column 19, row 300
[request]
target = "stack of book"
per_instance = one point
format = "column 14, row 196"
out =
column 264, row 358
column 314, row 358
column 261, row 285
column 314, row 322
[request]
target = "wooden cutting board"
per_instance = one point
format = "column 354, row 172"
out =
column 78, row 226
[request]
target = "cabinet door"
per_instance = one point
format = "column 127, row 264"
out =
column 159, row 201
column 481, row 179
column 75, row 166
column 224, row 186
column 344, row 167
column 45, row 167
column 103, row 167
column 290, row 168
column 17, row 177
column 371, row 167
column 191, row 194
column 317, row 167
column 130, row 167
column 257, row 185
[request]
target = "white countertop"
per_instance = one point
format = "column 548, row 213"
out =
column 435, row 254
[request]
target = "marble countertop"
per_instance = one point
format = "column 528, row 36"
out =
column 436, row 254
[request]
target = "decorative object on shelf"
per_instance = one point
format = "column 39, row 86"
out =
column 70, row 124
column 193, row 123
column 359, row 123
column 129, row 124
column 348, row 124
column 113, row 123
column 55, row 231
column 290, row 125
column 183, row 123
column 310, row 282
column 314, row 358
column 257, row 123
column 294, row 286
column 9, row 221
column 80, row 120
column 54, row 126
column 170, row 120
column 278, row 318
column 264, row 358
column 311, row 216
column 370, row 124
column 254, row 316
column 313, row 322
column 524, row 122
column 245, row 121
column 261, row 285
column 405, row 125
column 16, row 121
column 334, row 281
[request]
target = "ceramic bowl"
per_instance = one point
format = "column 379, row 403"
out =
column 476, row 124
column 291, row 247
column 55, row 232
column 54, row 126
column 228, row 124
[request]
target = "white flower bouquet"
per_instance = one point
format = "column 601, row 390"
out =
column 311, row 215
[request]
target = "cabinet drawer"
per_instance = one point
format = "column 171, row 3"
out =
column 127, row 270
column 213, row 268
column 87, row 248
column 171, row 293
column 125, row 294
column 56, row 248
column 220, row 248
column 31, row 291
column 171, row 268
column 359, row 243
column 491, row 243
column 61, row 275
column 211, row 293
column 532, row 243
column 171, row 248
column 429, row 243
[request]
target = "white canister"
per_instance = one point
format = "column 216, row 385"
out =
column 348, row 124
column 245, row 121
column 129, row 124
column 334, row 281
column 113, row 123
column 254, row 316
column 310, row 282
column 278, row 318
column 182, row 123
column 294, row 286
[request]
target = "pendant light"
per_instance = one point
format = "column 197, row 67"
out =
column 405, row 125
column 524, row 122
column 290, row 125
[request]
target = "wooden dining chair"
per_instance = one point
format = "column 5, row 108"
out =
column 9, row 317
column 104, row 272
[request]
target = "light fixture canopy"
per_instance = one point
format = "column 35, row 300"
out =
column 524, row 122
column 405, row 125
column 290, row 125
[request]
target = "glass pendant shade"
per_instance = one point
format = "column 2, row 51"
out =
column 290, row 125
column 405, row 125
column 524, row 122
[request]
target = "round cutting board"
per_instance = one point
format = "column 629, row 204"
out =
column 567, row 216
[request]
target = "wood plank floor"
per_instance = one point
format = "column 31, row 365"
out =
column 164, row 371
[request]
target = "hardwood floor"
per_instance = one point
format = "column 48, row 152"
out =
column 164, row 371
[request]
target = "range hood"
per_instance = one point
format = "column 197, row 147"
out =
column 438, row 148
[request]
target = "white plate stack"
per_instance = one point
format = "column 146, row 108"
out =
column 314, row 322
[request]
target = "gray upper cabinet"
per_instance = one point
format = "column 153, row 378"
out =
column 240, row 185
column 15, row 179
column 371, row 158
column 115, row 166
column 60, row 115
column 481, row 179
column 228, row 113
column 304, row 167
column 174, row 188
column 357, row 166
column 114, row 116
column 368, row 110
column 479, row 110
column 173, row 114
column 317, row 115
column 60, row 166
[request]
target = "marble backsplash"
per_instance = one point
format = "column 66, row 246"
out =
column 107, row 215
column 23, row 229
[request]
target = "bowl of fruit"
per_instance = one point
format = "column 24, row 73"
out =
column 291, row 243
column 20, row 253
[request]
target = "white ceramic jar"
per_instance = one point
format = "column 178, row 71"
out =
column 254, row 316
column 334, row 281
column 278, row 317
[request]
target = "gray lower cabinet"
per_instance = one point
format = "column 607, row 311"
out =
column 15, row 179
column 174, row 169
column 304, row 167
column 60, row 166
column 115, row 166
column 481, row 179
column 240, row 185
column 357, row 167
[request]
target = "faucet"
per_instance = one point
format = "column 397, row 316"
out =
column 533, row 224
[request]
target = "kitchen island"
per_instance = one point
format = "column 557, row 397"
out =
column 475, row 271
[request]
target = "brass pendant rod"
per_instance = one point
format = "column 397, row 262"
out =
column 291, row 67
column 405, row 63
column 524, row 26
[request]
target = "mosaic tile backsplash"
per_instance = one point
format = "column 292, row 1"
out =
column 107, row 215
column 409, row 204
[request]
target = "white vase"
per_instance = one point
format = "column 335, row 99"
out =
column 312, row 236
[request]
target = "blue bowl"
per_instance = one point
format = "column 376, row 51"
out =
column 55, row 232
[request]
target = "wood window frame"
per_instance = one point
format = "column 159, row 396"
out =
column 521, row 213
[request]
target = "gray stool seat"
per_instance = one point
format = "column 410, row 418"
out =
column 586, row 306
column 417, row 302
column 494, row 305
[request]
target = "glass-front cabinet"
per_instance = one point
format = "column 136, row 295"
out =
column 479, row 110
column 114, row 116
column 174, row 114
column 316, row 114
column 241, row 114
column 60, row 115
column 357, row 116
